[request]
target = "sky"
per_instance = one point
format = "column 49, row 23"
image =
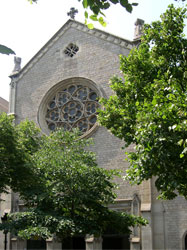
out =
column 26, row 27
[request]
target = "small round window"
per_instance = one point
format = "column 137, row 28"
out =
column 73, row 104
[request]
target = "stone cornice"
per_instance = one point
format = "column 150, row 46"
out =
column 124, row 43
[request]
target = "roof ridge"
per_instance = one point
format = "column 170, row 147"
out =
column 80, row 26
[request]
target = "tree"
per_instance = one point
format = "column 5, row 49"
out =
column 17, row 144
column 149, row 107
column 96, row 7
column 73, row 195
column 5, row 50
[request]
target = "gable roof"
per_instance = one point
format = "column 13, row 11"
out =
column 79, row 26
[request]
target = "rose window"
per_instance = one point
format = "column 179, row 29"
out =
column 74, row 106
column 71, row 50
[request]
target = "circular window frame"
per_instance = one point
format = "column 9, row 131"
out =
column 42, row 111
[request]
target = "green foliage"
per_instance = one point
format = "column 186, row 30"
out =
column 73, row 193
column 17, row 144
column 149, row 108
column 90, row 26
column 97, row 7
column 32, row 1
column 5, row 50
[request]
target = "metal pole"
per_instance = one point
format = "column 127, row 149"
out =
column 4, row 220
column 5, row 242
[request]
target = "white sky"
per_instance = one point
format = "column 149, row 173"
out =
column 25, row 28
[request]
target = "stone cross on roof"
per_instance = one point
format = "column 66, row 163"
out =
column 72, row 12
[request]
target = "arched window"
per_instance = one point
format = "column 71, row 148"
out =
column 76, row 242
column 185, row 242
column 72, row 103
column 113, row 240
column 39, row 244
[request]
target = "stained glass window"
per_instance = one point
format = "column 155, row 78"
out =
column 74, row 106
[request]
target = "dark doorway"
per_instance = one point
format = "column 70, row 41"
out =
column 185, row 242
column 115, row 241
column 36, row 244
column 74, row 243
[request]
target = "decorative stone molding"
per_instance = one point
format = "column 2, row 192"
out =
column 72, row 103
column 93, row 243
column 135, row 240
column 124, row 43
column 123, row 205
column 71, row 50
column 145, row 207
column 13, row 114
column 13, row 85
column 135, row 243
column 14, row 243
column 13, row 80
column 135, row 210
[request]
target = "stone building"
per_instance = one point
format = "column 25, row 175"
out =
column 59, row 87
column 3, row 105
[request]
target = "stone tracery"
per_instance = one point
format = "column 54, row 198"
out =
column 74, row 106
column 71, row 50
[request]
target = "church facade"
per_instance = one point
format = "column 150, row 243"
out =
column 59, row 87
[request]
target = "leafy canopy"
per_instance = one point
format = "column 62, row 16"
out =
column 5, row 50
column 17, row 145
column 72, row 193
column 97, row 8
column 149, row 108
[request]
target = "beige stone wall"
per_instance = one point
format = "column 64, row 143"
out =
column 175, row 222
column 3, row 105
column 169, row 219
column 97, row 60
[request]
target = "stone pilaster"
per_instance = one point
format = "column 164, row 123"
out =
column 147, row 237
column 12, row 94
column 14, row 243
column 146, row 231
column 135, row 243
column 93, row 243
column 53, row 244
